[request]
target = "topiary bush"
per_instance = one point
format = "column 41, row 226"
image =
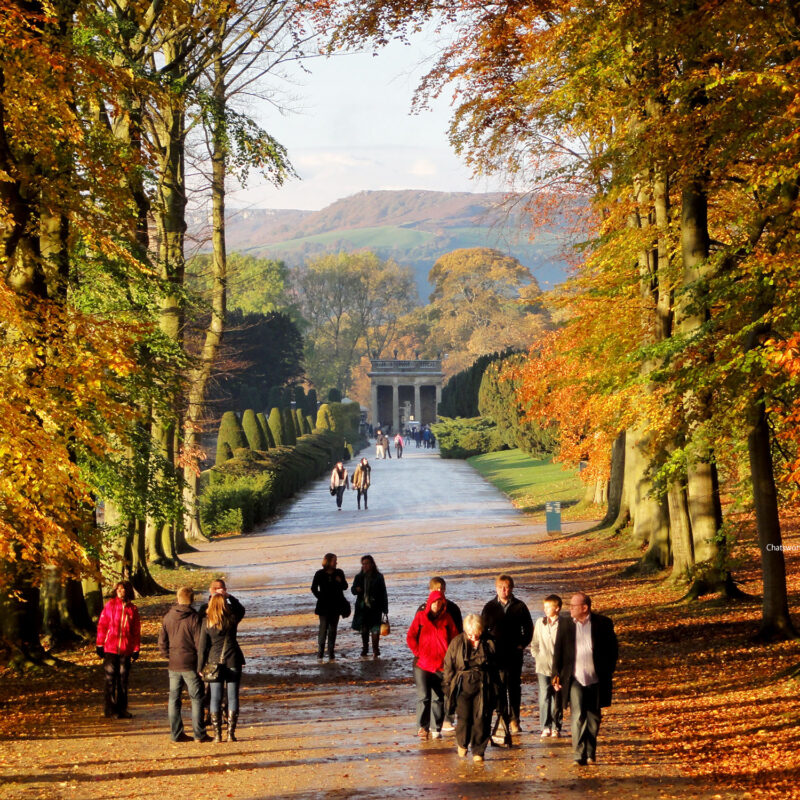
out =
column 231, row 434
column 289, row 433
column 275, row 423
column 262, row 421
column 462, row 438
column 252, row 431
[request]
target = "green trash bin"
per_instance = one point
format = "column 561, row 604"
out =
column 552, row 515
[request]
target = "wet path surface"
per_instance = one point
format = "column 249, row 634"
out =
column 346, row 729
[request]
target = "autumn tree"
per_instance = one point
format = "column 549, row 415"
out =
column 482, row 301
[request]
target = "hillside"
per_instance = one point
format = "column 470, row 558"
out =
column 413, row 227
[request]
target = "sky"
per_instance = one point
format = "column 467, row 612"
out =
column 350, row 129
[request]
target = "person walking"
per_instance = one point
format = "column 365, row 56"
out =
column 340, row 481
column 508, row 621
column 328, row 586
column 372, row 604
column 584, row 660
column 439, row 584
column 428, row 637
column 398, row 445
column 379, row 452
column 177, row 641
column 543, row 643
column 118, row 642
column 472, row 685
column 219, row 649
column 362, row 477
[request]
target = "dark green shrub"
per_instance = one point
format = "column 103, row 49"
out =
column 262, row 421
column 334, row 395
column 325, row 420
column 497, row 399
column 311, row 404
column 275, row 423
column 252, row 431
column 289, row 433
column 462, row 438
column 230, row 433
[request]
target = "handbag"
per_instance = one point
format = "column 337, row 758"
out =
column 344, row 612
column 385, row 627
column 212, row 672
column 333, row 491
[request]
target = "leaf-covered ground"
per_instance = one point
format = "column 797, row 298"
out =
column 700, row 709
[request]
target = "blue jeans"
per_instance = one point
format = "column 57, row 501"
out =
column 430, row 698
column 550, row 705
column 195, row 689
column 233, row 678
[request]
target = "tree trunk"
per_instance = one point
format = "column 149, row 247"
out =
column 616, row 482
column 704, row 506
column 20, row 624
column 681, row 528
column 200, row 376
column 65, row 617
column 775, row 620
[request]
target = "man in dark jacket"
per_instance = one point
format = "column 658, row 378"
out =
column 508, row 621
column 584, row 660
column 177, row 641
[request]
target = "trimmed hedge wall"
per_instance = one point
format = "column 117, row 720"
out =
column 462, row 438
column 245, row 490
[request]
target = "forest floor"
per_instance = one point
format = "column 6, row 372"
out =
column 700, row 709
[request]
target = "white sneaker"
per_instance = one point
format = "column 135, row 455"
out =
column 447, row 727
column 546, row 732
column 436, row 734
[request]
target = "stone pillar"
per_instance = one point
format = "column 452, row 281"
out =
column 395, row 406
column 417, row 403
column 374, row 399
column 438, row 400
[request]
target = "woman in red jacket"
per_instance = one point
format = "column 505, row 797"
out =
column 427, row 638
column 118, row 642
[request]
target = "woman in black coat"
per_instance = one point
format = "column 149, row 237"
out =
column 471, row 681
column 218, row 645
column 328, row 587
column 372, row 602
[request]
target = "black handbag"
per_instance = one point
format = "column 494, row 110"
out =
column 212, row 672
column 333, row 491
column 345, row 610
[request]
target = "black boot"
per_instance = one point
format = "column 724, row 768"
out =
column 376, row 651
column 216, row 724
column 364, row 644
column 233, row 718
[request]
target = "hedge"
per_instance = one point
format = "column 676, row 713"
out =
column 231, row 434
column 462, row 438
column 245, row 490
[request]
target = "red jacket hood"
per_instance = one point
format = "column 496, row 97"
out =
column 432, row 598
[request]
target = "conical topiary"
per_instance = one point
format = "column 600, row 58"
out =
column 230, row 433
column 311, row 404
column 334, row 395
column 300, row 398
column 275, row 423
column 252, row 431
column 262, row 421
column 288, row 427
column 298, row 419
column 325, row 418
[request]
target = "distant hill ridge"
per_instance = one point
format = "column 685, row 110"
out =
column 414, row 227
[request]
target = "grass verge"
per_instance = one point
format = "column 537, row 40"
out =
column 530, row 483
